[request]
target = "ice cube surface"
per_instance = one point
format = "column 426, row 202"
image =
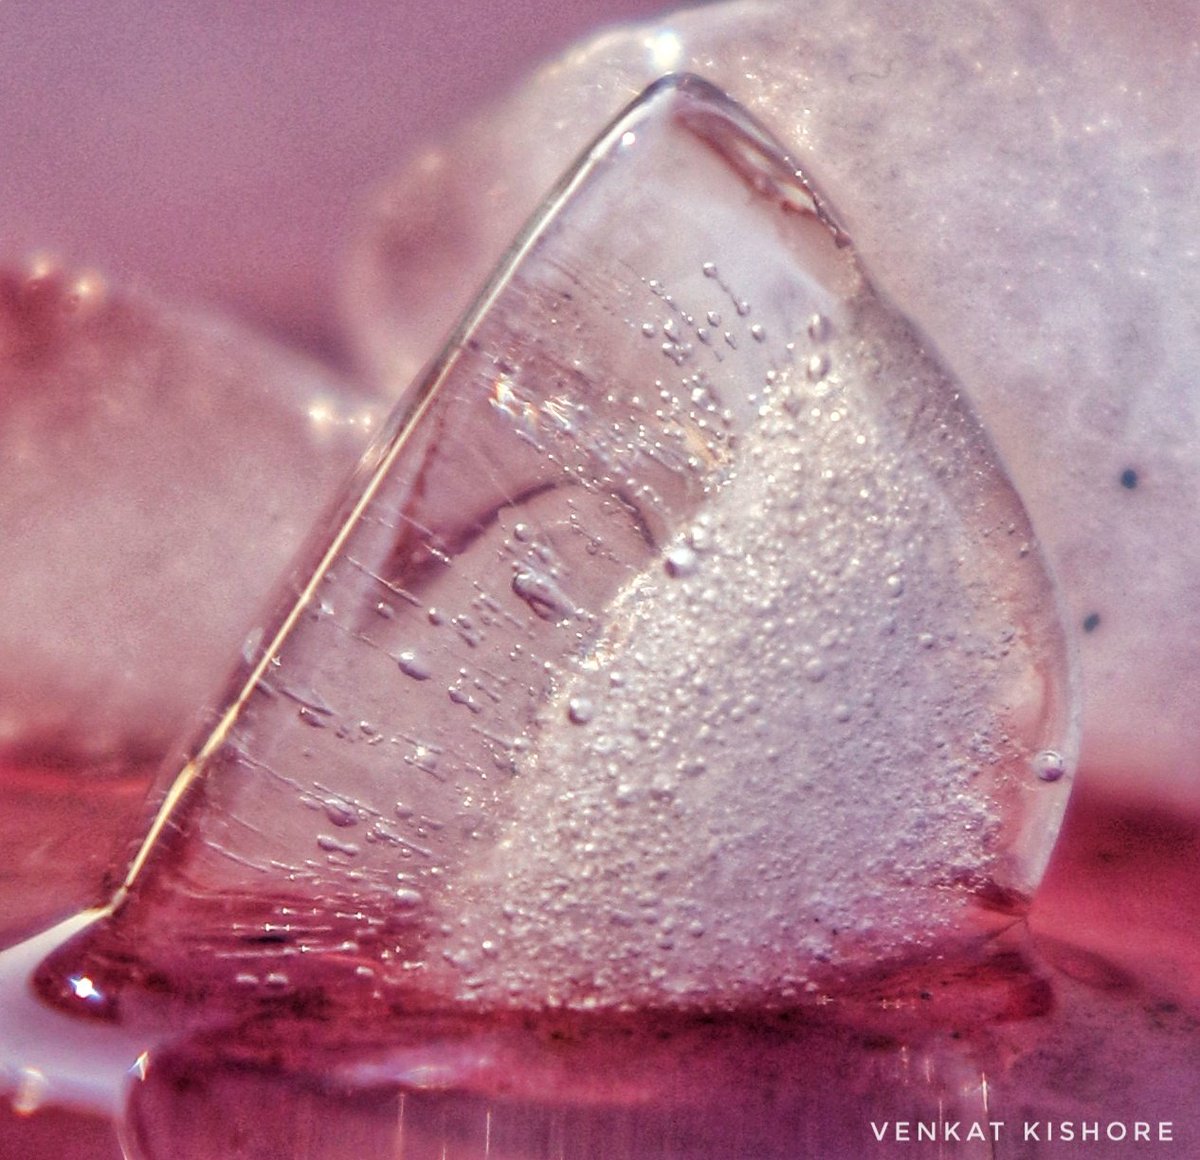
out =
column 682, row 643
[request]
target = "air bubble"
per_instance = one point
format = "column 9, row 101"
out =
column 542, row 594
column 30, row 1091
column 333, row 845
column 1049, row 765
column 340, row 813
column 681, row 561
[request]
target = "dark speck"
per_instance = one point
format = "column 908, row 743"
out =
column 1091, row 622
column 1129, row 479
column 270, row 938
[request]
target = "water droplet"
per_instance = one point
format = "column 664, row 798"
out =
column 412, row 664
column 408, row 898
column 580, row 710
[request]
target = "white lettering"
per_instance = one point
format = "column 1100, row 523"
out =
column 1036, row 1131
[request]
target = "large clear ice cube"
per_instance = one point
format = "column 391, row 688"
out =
column 685, row 644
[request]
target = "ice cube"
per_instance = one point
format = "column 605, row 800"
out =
column 686, row 643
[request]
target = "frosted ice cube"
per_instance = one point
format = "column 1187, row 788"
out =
column 1017, row 178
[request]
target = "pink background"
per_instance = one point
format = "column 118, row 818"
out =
column 213, row 150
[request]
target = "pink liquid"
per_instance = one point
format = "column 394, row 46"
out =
column 1084, row 1022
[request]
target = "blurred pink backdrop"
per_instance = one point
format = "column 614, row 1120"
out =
column 213, row 151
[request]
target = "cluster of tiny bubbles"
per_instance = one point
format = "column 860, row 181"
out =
column 742, row 689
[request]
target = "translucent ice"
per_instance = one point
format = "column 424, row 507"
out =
column 683, row 644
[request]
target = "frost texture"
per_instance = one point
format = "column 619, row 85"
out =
column 684, row 644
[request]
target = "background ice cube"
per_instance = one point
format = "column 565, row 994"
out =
column 157, row 472
column 1016, row 177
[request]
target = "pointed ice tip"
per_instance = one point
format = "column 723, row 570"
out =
column 708, row 111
